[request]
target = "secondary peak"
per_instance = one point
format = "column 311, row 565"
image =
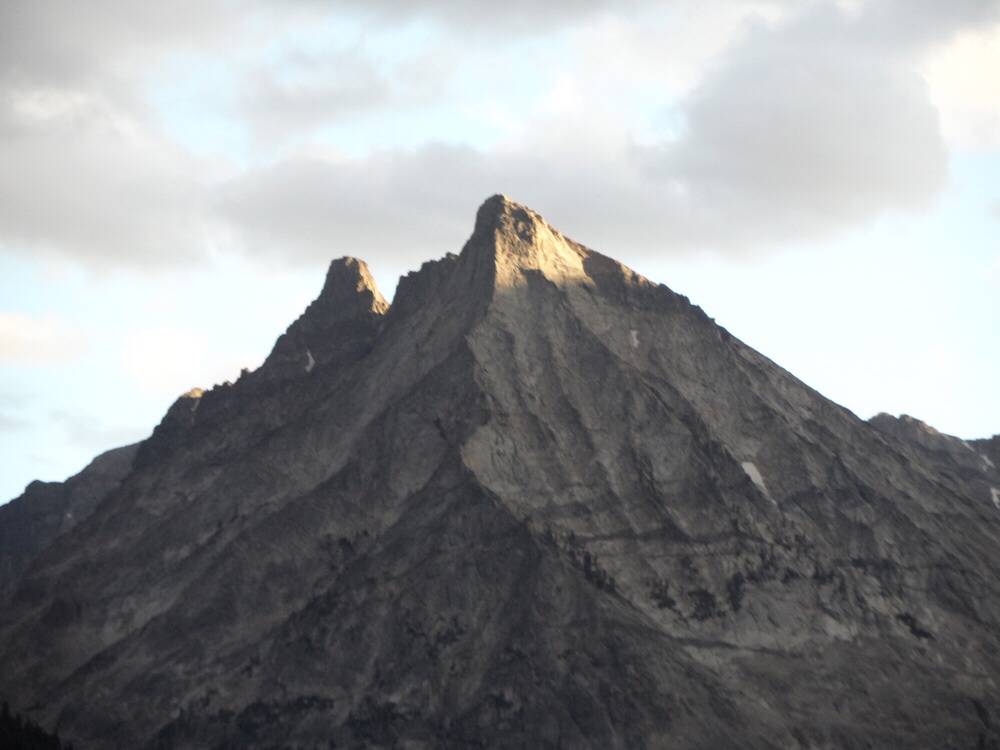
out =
column 349, row 285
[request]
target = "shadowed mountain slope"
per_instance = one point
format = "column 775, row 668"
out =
column 29, row 523
column 538, row 501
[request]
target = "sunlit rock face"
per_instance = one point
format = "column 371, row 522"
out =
column 538, row 501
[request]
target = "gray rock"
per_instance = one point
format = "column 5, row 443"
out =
column 988, row 448
column 537, row 502
column 973, row 463
column 29, row 523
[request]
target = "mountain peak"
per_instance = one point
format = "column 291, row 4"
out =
column 508, row 244
column 350, row 288
column 339, row 323
column 516, row 240
column 499, row 213
column 513, row 224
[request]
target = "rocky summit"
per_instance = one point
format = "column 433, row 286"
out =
column 536, row 502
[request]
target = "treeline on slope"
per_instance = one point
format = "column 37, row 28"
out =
column 16, row 733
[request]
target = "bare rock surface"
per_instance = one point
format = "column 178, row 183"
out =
column 538, row 501
column 974, row 463
column 29, row 523
column 989, row 449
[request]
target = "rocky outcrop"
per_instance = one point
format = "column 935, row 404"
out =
column 948, row 449
column 975, row 464
column 988, row 448
column 29, row 523
column 339, row 327
column 537, row 502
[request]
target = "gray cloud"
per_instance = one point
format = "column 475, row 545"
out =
column 302, row 91
column 95, row 185
column 307, row 209
column 515, row 16
column 58, row 42
column 12, row 424
column 801, row 128
column 801, row 131
column 408, row 206
column 66, row 43
column 70, row 44
column 905, row 25
column 792, row 136
column 84, row 171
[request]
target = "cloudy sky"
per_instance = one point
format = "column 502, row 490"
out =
column 822, row 176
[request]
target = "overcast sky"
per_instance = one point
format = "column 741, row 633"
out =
column 822, row 176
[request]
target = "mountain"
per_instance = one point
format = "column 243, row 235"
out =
column 974, row 461
column 538, row 501
column 988, row 448
column 29, row 523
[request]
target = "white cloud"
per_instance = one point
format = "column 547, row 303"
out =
column 812, row 121
column 49, row 42
column 799, row 119
column 168, row 361
column 165, row 361
column 964, row 79
column 28, row 340
column 565, row 96
column 793, row 135
column 79, row 176
column 666, row 47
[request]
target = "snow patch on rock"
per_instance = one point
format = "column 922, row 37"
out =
column 755, row 476
column 635, row 338
column 995, row 495
column 311, row 362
